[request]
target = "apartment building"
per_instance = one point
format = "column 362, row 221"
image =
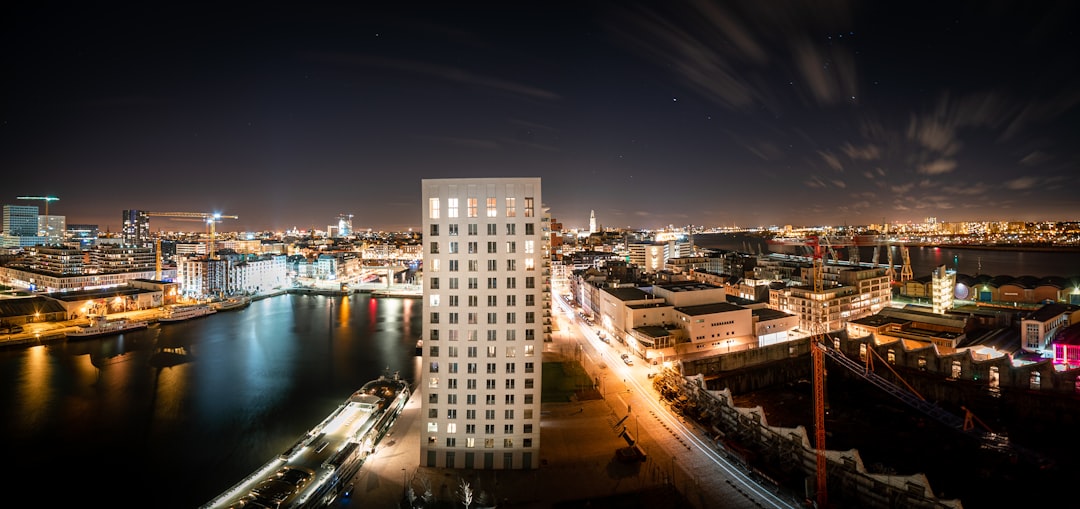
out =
column 857, row 293
column 487, row 304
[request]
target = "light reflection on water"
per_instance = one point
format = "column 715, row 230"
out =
column 188, row 409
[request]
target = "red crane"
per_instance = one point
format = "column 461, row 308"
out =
column 817, row 356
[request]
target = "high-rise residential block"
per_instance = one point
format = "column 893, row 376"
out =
column 486, row 314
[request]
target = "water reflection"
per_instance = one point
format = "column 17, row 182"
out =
column 196, row 404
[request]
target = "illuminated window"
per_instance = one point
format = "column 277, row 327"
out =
column 511, row 351
column 510, row 212
column 433, row 208
column 529, row 246
column 528, row 350
column 451, row 207
column 470, row 442
column 491, row 212
column 434, row 300
column 433, row 427
column 472, row 212
column 452, row 427
column 508, row 443
column 528, row 207
column 530, row 264
column 511, row 246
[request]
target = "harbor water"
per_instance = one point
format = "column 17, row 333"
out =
column 924, row 260
column 169, row 417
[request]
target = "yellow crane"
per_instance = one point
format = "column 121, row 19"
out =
column 211, row 219
column 46, row 199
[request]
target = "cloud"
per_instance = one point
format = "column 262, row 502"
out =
column 831, row 160
column 1035, row 158
column 1022, row 183
column 443, row 72
column 839, row 183
column 937, row 167
column 866, row 153
column 464, row 142
column 901, row 189
column 830, row 78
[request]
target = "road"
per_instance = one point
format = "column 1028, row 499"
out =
column 690, row 457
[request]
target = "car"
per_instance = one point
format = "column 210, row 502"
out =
column 626, row 358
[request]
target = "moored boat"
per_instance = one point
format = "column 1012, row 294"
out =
column 319, row 466
column 181, row 313
column 99, row 326
column 231, row 303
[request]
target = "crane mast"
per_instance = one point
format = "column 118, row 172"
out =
column 817, row 357
column 211, row 219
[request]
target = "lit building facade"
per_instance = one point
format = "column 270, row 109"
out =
column 136, row 228
column 858, row 293
column 487, row 302
column 20, row 227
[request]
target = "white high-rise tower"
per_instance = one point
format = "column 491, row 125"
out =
column 485, row 306
column 592, row 221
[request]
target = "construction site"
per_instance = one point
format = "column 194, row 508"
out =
column 775, row 410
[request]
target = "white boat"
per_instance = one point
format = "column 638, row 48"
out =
column 99, row 326
column 232, row 303
column 187, row 312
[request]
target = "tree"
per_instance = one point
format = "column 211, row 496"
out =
column 465, row 492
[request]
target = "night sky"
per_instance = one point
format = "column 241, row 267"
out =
column 707, row 113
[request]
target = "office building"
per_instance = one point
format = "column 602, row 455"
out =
column 136, row 229
column 486, row 306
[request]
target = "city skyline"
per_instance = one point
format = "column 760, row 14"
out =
column 716, row 114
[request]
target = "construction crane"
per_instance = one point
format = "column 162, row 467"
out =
column 817, row 358
column 46, row 199
column 211, row 220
